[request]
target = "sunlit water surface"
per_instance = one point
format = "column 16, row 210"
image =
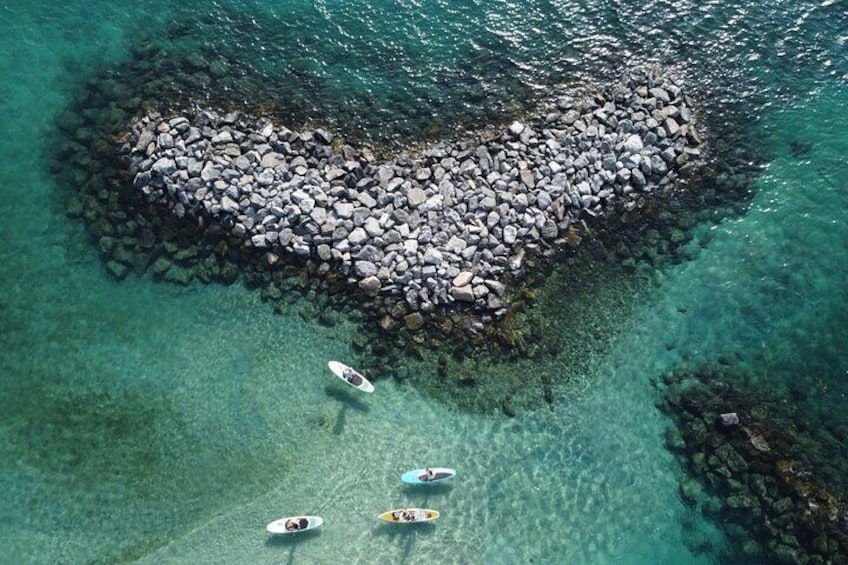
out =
column 144, row 421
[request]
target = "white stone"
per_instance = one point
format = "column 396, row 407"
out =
column 343, row 209
column 463, row 293
column 229, row 205
column 432, row 256
column 515, row 128
column 358, row 236
column 416, row 197
column 633, row 144
column 463, row 278
column 372, row 226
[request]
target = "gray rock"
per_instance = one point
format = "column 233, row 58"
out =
column 416, row 197
column 343, row 209
column 210, row 172
column 633, row 144
column 496, row 286
column 463, row 293
column 222, row 137
column 372, row 227
column 194, row 135
column 333, row 173
column 550, row 230
column 194, row 166
column 671, row 126
column 229, row 205
column 365, row 269
column 632, row 161
column 369, row 253
column 660, row 94
column 358, row 236
column 729, row 420
column 318, row 215
column 424, row 224
column 306, row 205
column 323, row 136
column 144, row 139
column 581, row 162
column 285, row 236
column 164, row 167
column 658, row 166
column 384, row 174
column 302, row 248
column 165, row 140
column 324, row 252
column 456, row 244
column 432, row 256
column 668, row 155
column 366, row 200
column 370, row 285
column 463, row 278
column 141, row 180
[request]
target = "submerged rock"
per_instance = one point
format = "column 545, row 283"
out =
column 766, row 475
column 729, row 420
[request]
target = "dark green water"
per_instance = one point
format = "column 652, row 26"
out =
column 144, row 421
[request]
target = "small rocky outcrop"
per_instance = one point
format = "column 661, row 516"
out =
column 770, row 478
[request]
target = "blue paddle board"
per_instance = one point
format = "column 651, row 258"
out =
column 421, row 476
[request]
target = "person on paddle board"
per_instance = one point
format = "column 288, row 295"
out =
column 351, row 377
column 295, row 524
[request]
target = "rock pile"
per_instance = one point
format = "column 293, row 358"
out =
column 446, row 226
column 773, row 476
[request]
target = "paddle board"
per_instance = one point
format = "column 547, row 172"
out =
column 294, row 524
column 355, row 379
column 409, row 515
column 419, row 476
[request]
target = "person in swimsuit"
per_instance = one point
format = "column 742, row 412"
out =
column 295, row 524
column 404, row 515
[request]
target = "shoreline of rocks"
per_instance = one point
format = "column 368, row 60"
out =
column 445, row 227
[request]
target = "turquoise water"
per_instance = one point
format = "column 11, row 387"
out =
column 144, row 421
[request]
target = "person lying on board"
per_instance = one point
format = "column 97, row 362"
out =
column 404, row 515
column 295, row 524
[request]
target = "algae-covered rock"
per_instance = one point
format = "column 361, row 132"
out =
column 413, row 321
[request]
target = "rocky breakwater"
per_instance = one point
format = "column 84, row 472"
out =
column 448, row 225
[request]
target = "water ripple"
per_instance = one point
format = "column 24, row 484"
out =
column 413, row 65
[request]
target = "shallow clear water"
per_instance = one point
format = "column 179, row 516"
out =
column 143, row 421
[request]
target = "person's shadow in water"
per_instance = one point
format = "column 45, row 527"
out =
column 421, row 493
column 405, row 535
column 347, row 400
column 291, row 541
